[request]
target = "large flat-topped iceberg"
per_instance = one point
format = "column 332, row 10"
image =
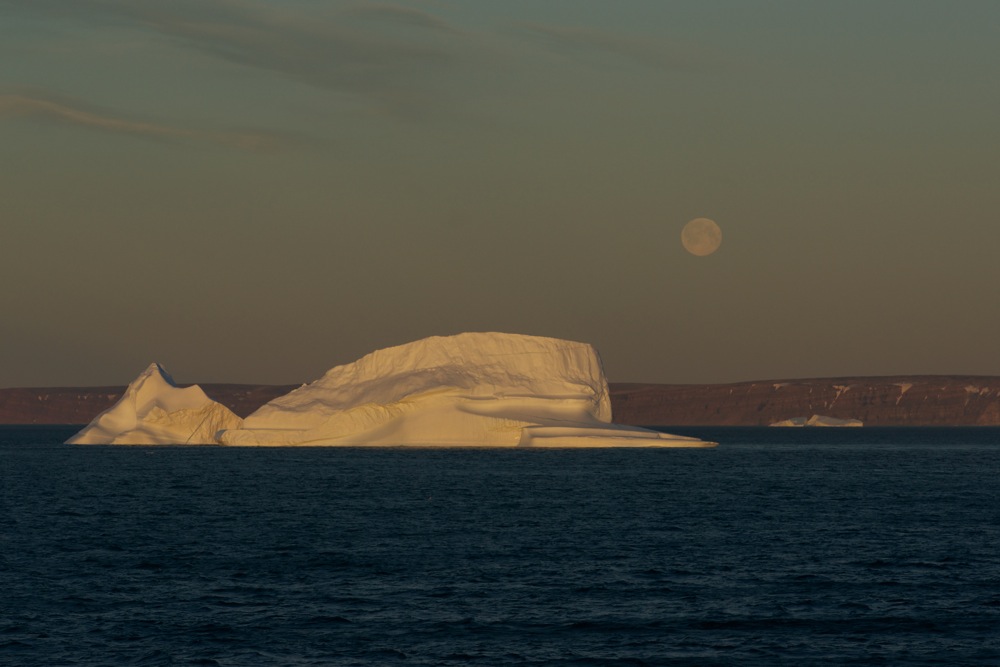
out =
column 472, row 389
column 155, row 411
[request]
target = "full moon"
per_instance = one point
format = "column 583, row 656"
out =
column 701, row 237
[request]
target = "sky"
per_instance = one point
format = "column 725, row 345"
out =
column 256, row 191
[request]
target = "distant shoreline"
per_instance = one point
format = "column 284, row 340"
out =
column 917, row 400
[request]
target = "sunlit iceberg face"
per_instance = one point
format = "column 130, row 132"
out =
column 472, row 390
column 155, row 411
column 469, row 390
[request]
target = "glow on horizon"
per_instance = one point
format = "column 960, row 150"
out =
column 257, row 191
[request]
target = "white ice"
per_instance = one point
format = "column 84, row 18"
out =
column 472, row 389
column 154, row 411
column 818, row 420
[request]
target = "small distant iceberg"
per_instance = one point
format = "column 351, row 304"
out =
column 467, row 390
column 818, row 420
column 155, row 411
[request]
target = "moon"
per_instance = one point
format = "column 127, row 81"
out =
column 701, row 237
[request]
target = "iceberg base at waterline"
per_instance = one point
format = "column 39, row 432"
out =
column 612, row 435
column 467, row 390
column 155, row 411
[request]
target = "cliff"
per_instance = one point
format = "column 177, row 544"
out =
column 79, row 405
column 877, row 401
column 928, row 400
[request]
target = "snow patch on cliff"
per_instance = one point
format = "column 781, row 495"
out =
column 155, row 411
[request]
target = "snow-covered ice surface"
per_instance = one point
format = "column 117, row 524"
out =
column 818, row 420
column 154, row 411
column 468, row 390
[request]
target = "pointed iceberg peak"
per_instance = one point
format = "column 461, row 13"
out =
column 157, row 369
column 155, row 411
column 155, row 375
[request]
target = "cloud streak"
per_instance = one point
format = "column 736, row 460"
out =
column 407, row 16
column 380, row 51
column 572, row 39
column 15, row 105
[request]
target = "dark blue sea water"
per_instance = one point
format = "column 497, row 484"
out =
column 779, row 547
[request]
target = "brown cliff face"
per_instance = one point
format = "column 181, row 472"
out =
column 876, row 401
column 79, row 405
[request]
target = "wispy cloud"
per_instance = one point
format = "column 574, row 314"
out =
column 12, row 105
column 327, row 48
column 399, row 14
column 582, row 40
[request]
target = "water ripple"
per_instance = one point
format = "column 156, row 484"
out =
column 746, row 555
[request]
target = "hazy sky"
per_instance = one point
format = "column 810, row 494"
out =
column 257, row 191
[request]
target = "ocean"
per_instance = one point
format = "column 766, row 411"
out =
column 779, row 547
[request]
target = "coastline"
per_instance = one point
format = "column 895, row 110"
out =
column 924, row 400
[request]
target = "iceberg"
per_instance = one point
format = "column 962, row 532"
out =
column 155, row 411
column 818, row 420
column 471, row 389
